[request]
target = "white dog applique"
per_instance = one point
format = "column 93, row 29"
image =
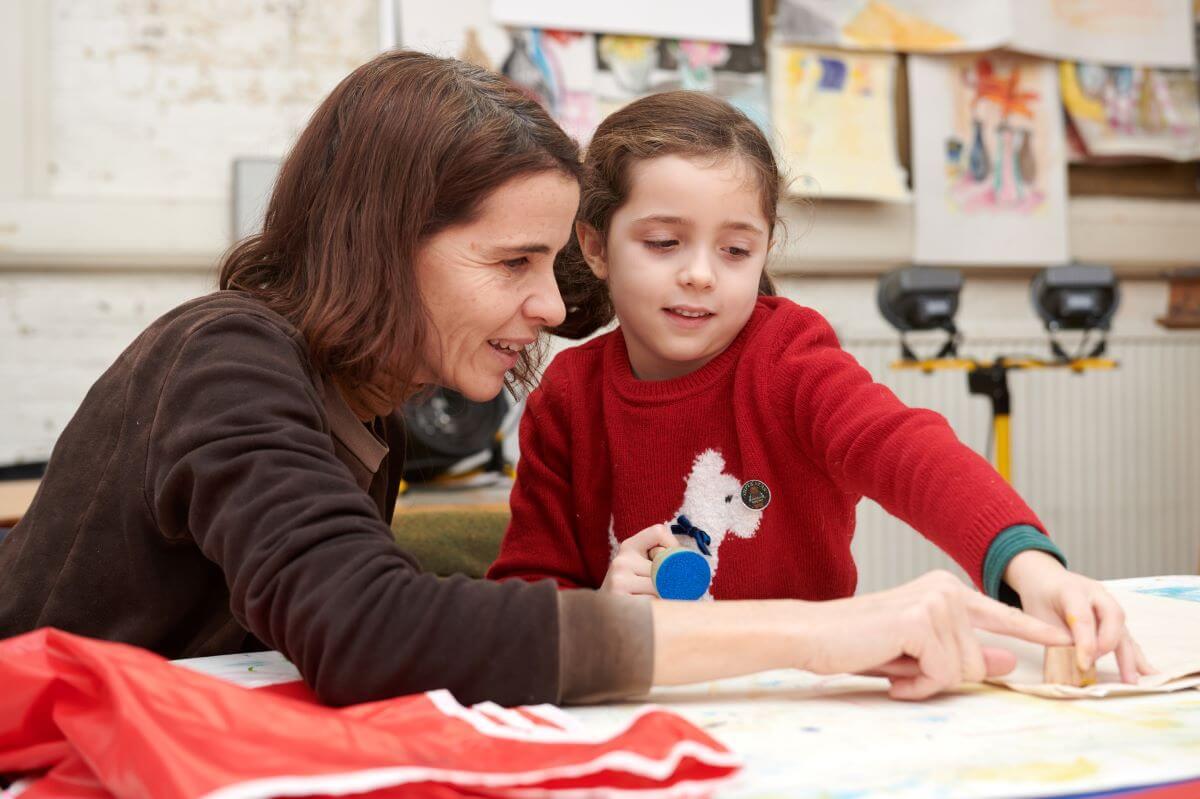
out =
column 713, row 508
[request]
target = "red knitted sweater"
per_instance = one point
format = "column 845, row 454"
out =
column 604, row 455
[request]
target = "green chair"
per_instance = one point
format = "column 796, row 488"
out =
column 452, row 539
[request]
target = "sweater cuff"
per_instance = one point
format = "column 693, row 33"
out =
column 605, row 646
column 1006, row 546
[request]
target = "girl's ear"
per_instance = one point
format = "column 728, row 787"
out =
column 591, row 246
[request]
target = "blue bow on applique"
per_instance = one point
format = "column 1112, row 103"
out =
column 683, row 526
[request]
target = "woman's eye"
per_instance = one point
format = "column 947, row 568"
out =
column 661, row 244
column 516, row 263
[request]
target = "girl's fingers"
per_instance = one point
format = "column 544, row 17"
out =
column 1111, row 618
column 1132, row 661
column 657, row 535
column 1080, row 617
column 637, row 586
column 1127, row 661
column 1144, row 666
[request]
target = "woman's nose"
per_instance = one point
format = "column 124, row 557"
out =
column 545, row 304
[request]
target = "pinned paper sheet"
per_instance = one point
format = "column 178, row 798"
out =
column 1143, row 32
column 834, row 113
column 989, row 167
column 729, row 21
column 1166, row 627
column 1133, row 111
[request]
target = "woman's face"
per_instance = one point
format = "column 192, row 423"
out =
column 488, row 285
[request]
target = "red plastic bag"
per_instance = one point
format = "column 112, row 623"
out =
column 90, row 719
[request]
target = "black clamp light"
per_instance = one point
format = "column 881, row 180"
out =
column 1076, row 297
column 921, row 298
column 1065, row 297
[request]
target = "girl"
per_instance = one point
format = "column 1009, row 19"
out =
column 733, row 415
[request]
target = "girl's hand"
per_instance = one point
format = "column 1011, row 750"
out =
column 629, row 573
column 1078, row 604
column 921, row 635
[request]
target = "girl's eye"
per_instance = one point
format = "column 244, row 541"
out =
column 660, row 244
column 738, row 252
column 516, row 263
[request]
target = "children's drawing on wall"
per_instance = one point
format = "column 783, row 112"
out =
column 834, row 115
column 580, row 77
column 1132, row 111
column 993, row 152
column 629, row 67
column 923, row 26
column 557, row 69
column 1145, row 32
column 988, row 160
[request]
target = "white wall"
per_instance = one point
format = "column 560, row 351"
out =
column 59, row 331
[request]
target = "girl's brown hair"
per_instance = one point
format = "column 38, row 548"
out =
column 684, row 123
column 405, row 146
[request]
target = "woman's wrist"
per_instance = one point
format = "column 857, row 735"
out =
column 698, row 641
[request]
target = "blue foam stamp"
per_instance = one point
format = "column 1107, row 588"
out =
column 680, row 573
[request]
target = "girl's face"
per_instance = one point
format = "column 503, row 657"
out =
column 488, row 285
column 683, row 259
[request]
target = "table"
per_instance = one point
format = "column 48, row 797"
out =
column 839, row 737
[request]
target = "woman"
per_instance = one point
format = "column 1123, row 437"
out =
column 227, row 484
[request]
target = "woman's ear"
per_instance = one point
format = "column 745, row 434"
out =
column 591, row 246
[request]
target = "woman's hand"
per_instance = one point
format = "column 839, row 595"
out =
column 921, row 636
column 1073, row 602
column 629, row 572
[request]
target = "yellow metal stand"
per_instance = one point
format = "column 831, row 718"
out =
column 1003, row 452
column 990, row 378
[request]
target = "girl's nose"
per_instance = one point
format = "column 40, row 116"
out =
column 698, row 273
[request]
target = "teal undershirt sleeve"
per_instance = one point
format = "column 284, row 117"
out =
column 1006, row 546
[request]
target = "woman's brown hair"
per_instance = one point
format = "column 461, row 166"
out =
column 405, row 146
column 683, row 123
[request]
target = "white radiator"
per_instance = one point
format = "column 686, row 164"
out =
column 1109, row 460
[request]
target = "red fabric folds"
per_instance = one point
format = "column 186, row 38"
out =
column 88, row 719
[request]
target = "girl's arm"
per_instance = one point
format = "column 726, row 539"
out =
column 869, row 443
column 911, row 462
column 542, row 539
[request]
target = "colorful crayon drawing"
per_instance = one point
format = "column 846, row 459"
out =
column 558, row 69
column 920, row 26
column 992, row 157
column 1146, row 32
column 1133, row 111
column 582, row 77
column 629, row 67
column 834, row 115
column 989, row 166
